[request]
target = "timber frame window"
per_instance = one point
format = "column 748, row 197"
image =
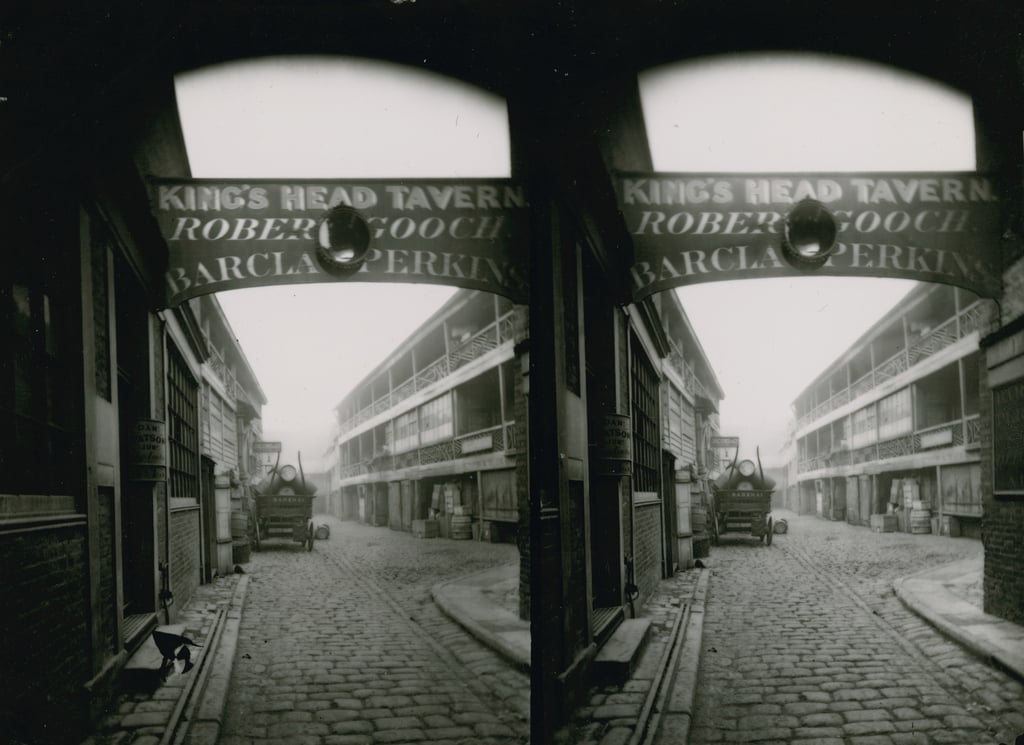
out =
column 182, row 428
column 42, row 447
column 644, row 409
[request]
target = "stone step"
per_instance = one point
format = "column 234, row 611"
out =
column 142, row 671
column 617, row 659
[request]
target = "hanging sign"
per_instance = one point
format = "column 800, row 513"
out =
column 615, row 449
column 930, row 227
column 260, row 447
column 224, row 235
column 148, row 451
column 721, row 441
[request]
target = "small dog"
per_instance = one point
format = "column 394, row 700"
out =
column 177, row 658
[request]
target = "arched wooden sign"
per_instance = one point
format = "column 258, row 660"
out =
column 930, row 227
column 230, row 234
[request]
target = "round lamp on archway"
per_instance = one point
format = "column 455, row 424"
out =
column 342, row 240
column 809, row 235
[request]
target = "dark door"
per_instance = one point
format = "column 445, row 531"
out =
column 209, row 518
column 606, row 555
column 668, row 514
column 138, row 539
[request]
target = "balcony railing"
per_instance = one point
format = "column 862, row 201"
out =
column 501, row 438
column 222, row 372
column 961, row 432
column 490, row 337
column 972, row 431
column 972, row 318
column 933, row 342
column 691, row 382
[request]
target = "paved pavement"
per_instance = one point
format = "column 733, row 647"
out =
column 806, row 642
column 816, row 611
column 344, row 644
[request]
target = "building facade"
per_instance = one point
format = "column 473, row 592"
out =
column 893, row 426
column 230, row 416
column 116, row 417
column 433, row 427
column 80, row 138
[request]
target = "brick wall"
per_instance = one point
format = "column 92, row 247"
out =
column 521, row 408
column 626, row 489
column 1013, row 292
column 1002, row 523
column 45, row 644
column 647, row 556
column 106, row 620
column 184, row 554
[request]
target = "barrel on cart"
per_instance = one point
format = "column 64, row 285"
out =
column 741, row 502
column 283, row 507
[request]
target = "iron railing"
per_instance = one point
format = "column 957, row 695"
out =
column 973, row 318
column 487, row 339
column 504, row 438
column 964, row 431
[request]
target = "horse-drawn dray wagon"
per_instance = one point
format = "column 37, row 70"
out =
column 283, row 507
column 741, row 502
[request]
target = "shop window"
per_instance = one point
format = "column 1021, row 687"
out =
column 41, row 414
column 436, row 420
column 865, row 430
column 478, row 404
column 895, row 416
column 407, row 431
column 937, row 399
column 182, row 428
column 644, row 407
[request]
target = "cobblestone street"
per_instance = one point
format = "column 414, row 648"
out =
column 805, row 641
column 344, row 645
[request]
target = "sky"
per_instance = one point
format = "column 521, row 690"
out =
column 345, row 119
column 768, row 339
column 304, row 117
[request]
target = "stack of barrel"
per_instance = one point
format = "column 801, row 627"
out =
column 920, row 519
column 461, row 527
column 239, row 537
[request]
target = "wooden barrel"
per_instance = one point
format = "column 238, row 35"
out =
column 239, row 525
column 698, row 521
column 920, row 521
column 461, row 527
column 240, row 552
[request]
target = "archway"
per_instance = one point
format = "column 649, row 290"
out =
column 573, row 105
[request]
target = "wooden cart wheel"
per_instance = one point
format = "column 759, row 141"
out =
column 309, row 536
column 256, row 535
column 771, row 529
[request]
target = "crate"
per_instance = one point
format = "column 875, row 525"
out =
column 425, row 528
column 883, row 523
column 950, row 525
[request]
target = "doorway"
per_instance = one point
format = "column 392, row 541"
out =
column 605, row 518
column 138, row 520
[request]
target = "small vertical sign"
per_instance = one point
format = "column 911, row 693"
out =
column 615, row 451
column 149, row 451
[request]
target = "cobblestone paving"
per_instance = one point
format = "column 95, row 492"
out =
column 612, row 712
column 142, row 718
column 344, row 646
column 805, row 642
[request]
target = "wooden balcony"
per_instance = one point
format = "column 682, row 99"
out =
column 503, row 438
column 486, row 340
column 960, row 432
column 973, row 318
